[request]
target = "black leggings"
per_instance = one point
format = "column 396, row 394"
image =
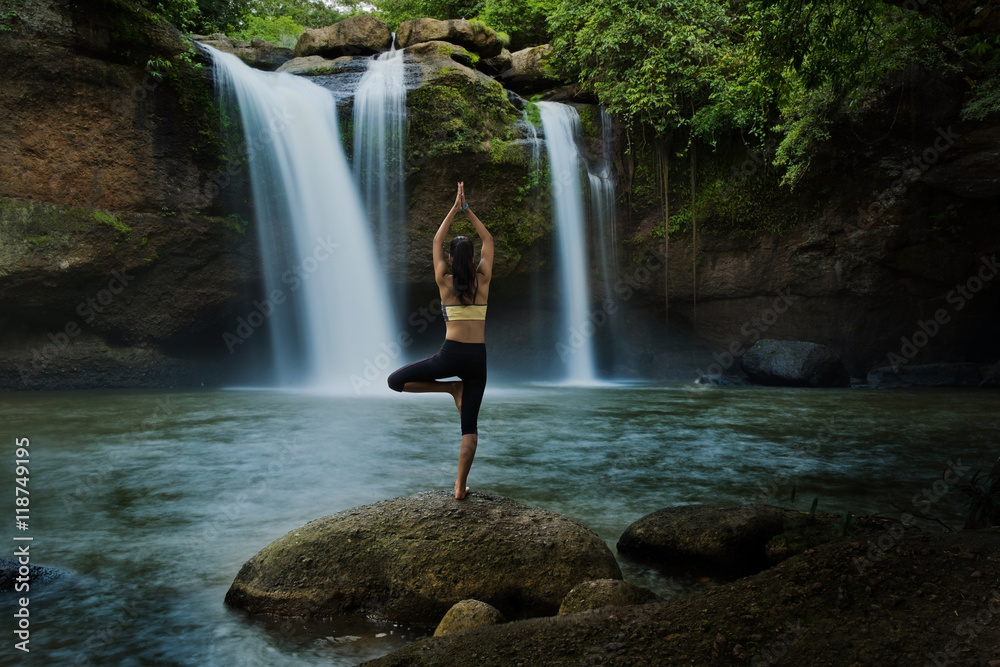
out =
column 465, row 360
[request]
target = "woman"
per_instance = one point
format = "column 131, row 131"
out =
column 465, row 290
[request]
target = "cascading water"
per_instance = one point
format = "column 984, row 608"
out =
column 379, row 129
column 575, row 341
column 603, row 211
column 328, row 306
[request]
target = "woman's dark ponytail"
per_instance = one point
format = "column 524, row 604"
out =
column 463, row 272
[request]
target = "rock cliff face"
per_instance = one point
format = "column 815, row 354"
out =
column 112, row 159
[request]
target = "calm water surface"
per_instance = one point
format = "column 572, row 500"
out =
column 153, row 500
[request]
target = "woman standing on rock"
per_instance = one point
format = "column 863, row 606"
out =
column 465, row 290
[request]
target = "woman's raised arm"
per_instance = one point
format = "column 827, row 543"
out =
column 440, row 260
column 486, row 253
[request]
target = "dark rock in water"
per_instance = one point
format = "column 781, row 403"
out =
column 925, row 375
column 468, row 614
column 410, row 559
column 990, row 375
column 724, row 540
column 357, row 36
column 37, row 574
column 604, row 593
column 786, row 363
column 722, row 380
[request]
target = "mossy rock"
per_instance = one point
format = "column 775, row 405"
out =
column 604, row 593
column 711, row 540
column 410, row 559
column 468, row 614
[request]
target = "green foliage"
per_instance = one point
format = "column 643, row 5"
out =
column 306, row 13
column 9, row 17
column 395, row 12
column 526, row 21
column 278, row 30
column 112, row 221
column 652, row 62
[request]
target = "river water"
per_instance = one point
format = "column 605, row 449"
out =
column 151, row 501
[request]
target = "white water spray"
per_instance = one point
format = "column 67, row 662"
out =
column 575, row 342
column 332, row 323
column 379, row 128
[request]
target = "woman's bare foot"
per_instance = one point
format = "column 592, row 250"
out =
column 462, row 496
column 456, row 392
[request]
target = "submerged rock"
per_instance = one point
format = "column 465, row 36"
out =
column 924, row 375
column 37, row 574
column 410, row 559
column 604, row 593
column 468, row 614
column 990, row 375
column 729, row 540
column 786, row 363
column 474, row 36
column 357, row 36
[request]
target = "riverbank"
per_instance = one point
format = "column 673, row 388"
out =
column 929, row 599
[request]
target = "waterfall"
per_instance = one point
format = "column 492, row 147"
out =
column 379, row 129
column 603, row 211
column 325, row 296
column 575, row 340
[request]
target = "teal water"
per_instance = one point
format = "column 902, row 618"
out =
column 151, row 501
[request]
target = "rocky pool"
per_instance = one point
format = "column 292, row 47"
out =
column 152, row 500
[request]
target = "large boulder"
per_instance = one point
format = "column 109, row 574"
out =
column 320, row 66
column 497, row 64
column 727, row 540
column 528, row 72
column 786, row 363
column 473, row 35
column 410, row 559
column 468, row 614
column 604, row 593
column 924, row 375
column 990, row 375
column 437, row 48
column 357, row 36
column 256, row 53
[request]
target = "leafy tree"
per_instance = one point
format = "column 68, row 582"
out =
column 657, row 63
column 278, row 30
column 526, row 21
column 395, row 12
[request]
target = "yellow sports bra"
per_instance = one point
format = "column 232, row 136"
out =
column 459, row 312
